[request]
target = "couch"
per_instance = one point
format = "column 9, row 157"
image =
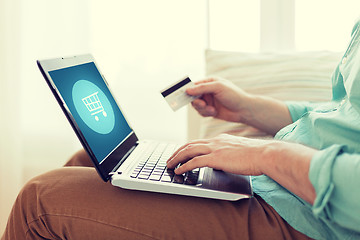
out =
column 291, row 76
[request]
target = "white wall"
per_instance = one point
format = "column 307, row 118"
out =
column 153, row 43
column 48, row 29
column 324, row 24
column 10, row 158
column 234, row 25
column 141, row 46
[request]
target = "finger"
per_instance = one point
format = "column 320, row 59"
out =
column 206, row 99
column 206, row 80
column 187, row 153
column 205, row 105
column 203, row 88
column 203, row 109
column 184, row 146
column 209, row 99
column 198, row 103
column 183, row 154
column 196, row 162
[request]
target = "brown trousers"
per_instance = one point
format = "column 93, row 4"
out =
column 74, row 203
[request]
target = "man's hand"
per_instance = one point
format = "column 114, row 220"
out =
column 286, row 163
column 223, row 100
column 219, row 98
column 228, row 153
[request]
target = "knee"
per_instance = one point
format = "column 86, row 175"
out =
column 51, row 189
column 42, row 196
column 30, row 197
column 26, row 209
column 81, row 159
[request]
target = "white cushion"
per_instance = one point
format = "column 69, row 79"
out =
column 285, row 76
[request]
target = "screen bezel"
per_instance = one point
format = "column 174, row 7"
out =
column 108, row 164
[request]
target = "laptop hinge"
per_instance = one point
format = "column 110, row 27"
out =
column 121, row 161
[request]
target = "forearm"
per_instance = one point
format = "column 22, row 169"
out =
column 289, row 164
column 267, row 114
column 286, row 163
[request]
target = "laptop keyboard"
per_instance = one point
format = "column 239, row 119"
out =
column 153, row 167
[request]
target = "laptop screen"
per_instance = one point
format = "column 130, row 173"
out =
column 93, row 108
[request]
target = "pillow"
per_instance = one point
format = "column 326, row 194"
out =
column 286, row 76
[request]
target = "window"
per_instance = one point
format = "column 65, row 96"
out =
column 324, row 24
column 234, row 25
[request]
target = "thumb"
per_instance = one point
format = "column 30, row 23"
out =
column 203, row 88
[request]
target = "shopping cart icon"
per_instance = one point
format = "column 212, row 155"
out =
column 93, row 104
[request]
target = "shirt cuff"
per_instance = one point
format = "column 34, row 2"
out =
column 320, row 175
column 298, row 109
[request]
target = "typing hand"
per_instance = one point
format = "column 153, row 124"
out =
column 228, row 153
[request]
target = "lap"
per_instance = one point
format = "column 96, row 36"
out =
column 74, row 200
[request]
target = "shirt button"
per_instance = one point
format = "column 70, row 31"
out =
column 344, row 60
column 342, row 102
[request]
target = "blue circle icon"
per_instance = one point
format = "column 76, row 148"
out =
column 93, row 106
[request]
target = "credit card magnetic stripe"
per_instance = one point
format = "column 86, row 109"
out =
column 175, row 87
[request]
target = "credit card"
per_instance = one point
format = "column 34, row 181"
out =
column 176, row 96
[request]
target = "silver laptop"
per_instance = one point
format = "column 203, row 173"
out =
column 118, row 155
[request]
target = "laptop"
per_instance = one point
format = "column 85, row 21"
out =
column 118, row 155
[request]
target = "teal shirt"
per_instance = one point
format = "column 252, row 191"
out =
column 333, row 128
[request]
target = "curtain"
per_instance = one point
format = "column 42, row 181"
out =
column 34, row 136
column 10, row 143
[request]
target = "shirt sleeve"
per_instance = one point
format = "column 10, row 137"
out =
column 298, row 109
column 335, row 176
